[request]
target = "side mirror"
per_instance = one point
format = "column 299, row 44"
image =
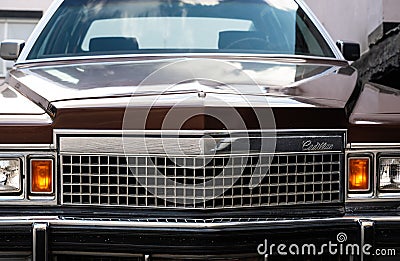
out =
column 10, row 49
column 350, row 51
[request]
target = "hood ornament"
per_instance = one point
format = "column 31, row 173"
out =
column 201, row 94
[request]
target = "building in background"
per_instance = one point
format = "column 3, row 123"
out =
column 17, row 20
column 372, row 23
column 362, row 21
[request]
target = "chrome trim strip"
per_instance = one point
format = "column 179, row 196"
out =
column 217, row 225
column 29, row 218
column 102, row 254
column 39, row 248
column 205, row 257
column 18, row 254
column 162, row 56
column 52, row 220
column 364, row 224
column 26, row 118
column 380, row 199
column 190, row 145
column 26, row 147
column 86, row 131
column 373, row 146
column 59, row 222
column 219, row 155
column 58, row 132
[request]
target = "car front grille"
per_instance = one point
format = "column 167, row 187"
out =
column 202, row 182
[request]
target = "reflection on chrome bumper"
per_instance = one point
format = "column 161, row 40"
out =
column 45, row 237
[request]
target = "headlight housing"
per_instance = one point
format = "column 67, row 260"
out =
column 389, row 174
column 10, row 175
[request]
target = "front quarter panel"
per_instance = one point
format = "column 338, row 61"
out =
column 21, row 120
column 376, row 116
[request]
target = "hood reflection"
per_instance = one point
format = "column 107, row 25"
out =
column 108, row 79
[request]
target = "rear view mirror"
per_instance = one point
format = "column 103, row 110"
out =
column 10, row 49
column 350, row 51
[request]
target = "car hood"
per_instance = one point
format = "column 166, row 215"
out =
column 94, row 90
column 288, row 78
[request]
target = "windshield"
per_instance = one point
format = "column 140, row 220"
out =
column 98, row 27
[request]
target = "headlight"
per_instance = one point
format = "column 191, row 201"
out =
column 10, row 175
column 389, row 174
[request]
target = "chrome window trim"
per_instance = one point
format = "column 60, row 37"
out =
column 38, row 29
column 56, row 3
column 321, row 29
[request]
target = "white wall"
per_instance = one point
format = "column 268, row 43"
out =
column 34, row 5
column 348, row 20
column 354, row 20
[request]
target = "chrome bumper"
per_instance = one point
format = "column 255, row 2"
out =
column 44, row 237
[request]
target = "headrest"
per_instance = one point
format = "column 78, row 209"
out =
column 102, row 44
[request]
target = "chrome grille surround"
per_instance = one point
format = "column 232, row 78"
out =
column 115, row 179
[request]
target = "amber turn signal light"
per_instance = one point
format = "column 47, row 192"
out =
column 359, row 174
column 42, row 176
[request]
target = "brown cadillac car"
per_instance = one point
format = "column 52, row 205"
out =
column 194, row 129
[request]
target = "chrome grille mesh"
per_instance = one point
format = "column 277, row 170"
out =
column 138, row 181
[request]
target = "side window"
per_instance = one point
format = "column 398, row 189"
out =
column 308, row 38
